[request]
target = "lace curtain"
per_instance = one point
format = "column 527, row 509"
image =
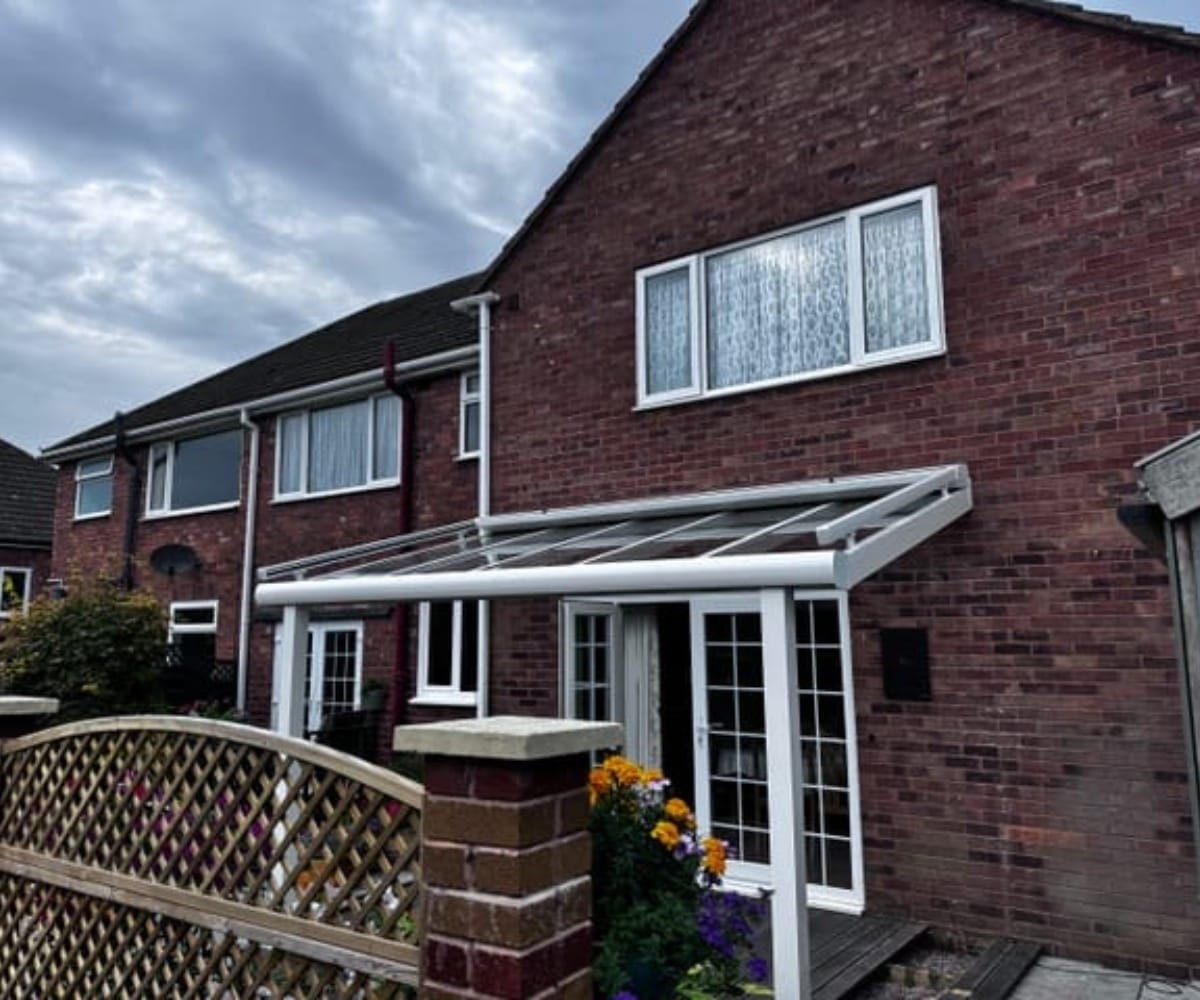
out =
column 291, row 453
column 668, row 327
column 778, row 307
column 337, row 447
column 387, row 432
column 894, row 288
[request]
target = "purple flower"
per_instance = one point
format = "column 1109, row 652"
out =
column 624, row 995
column 756, row 969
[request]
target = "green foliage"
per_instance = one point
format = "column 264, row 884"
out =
column 99, row 650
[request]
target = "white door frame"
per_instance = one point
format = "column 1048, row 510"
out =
column 850, row 901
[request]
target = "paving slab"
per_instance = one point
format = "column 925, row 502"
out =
column 1062, row 979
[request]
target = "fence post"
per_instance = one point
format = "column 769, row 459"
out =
column 506, row 856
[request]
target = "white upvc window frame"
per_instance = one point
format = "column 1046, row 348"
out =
column 451, row 694
column 25, row 593
column 860, row 359
column 175, row 628
column 168, row 447
column 468, row 397
column 372, row 482
column 102, row 468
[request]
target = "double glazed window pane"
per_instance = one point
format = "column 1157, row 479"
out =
column 337, row 447
column 93, row 490
column 387, row 429
column 206, row 470
column 895, row 299
column 668, row 319
column 778, row 308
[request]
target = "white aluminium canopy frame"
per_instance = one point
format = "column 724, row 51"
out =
column 815, row 533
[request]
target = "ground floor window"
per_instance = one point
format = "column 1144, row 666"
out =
column 16, row 583
column 685, row 676
column 448, row 652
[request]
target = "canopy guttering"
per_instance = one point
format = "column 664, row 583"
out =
column 830, row 533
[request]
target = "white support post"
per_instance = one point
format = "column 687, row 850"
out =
column 785, row 796
column 293, row 647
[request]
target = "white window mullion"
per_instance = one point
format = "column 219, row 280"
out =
column 854, row 291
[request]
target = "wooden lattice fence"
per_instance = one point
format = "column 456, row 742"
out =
column 167, row 857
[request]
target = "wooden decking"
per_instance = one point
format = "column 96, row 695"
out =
column 846, row 950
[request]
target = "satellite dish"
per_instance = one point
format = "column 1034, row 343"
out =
column 172, row 560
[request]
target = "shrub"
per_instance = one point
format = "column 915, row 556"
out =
column 662, row 928
column 99, row 650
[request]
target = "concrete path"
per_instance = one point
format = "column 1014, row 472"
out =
column 1060, row 979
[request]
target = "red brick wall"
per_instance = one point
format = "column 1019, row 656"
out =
column 1042, row 793
column 284, row 531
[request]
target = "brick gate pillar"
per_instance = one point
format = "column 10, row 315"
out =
column 506, row 856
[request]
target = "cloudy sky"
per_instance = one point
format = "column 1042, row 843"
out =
column 186, row 183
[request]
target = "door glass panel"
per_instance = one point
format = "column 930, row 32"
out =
column 827, row 799
column 591, row 693
column 737, row 743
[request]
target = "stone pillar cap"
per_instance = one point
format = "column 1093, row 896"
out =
column 507, row 737
column 15, row 704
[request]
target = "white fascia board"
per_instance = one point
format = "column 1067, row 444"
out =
column 429, row 365
column 799, row 569
column 839, row 488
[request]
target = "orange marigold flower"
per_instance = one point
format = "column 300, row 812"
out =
column 624, row 773
column 666, row 833
column 679, row 813
column 652, row 775
column 597, row 784
column 714, row 856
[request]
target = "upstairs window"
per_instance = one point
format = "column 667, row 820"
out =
column 15, row 585
column 851, row 291
column 350, row 446
column 468, row 416
column 195, row 474
column 93, row 487
column 448, row 657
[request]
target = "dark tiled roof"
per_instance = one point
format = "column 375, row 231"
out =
column 419, row 324
column 26, row 498
column 1169, row 34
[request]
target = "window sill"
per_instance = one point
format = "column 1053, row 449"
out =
column 892, row 358
column 163, row 515
column 449, row 699
column 471, row 456
column 390, row 484
column 92, row 517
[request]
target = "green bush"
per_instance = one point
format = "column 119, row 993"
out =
column 99, row 650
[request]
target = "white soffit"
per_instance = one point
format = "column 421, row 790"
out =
column 815, row 533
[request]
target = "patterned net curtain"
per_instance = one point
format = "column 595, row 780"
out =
column 894, row 288
column 668, row 331
column 778, row 308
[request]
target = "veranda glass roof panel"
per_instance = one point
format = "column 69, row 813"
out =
column 831, row 533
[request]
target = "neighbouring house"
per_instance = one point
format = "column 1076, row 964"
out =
column 26, row 527
column 811, row 392
column 365, row 427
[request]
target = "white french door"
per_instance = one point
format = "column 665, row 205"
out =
column 729, row 709
column 732, row 758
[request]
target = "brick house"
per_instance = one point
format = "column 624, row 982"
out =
column 824, row 367
column 188, row 494
column 26, row 527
